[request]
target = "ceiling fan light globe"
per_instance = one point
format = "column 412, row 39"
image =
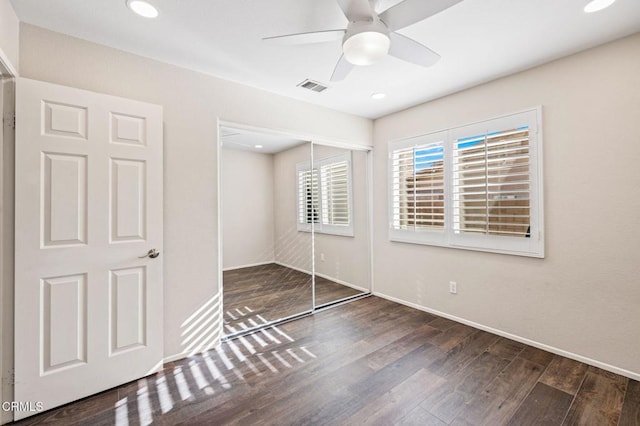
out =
column 366, row 48
column 143, row 8
column 597, row 5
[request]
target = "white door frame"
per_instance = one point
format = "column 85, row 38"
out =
column 7, row 108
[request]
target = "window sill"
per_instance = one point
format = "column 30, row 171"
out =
column 409, row 240
column 337, row 233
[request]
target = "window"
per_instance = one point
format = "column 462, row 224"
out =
column 474, row 187
column 308, row 205
column 324, row 196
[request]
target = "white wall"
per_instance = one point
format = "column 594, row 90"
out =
column 192, row 104
column 584, row 297
column 9, row 35
column 247, row 208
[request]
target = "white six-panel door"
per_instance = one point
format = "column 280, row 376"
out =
column 88, row 308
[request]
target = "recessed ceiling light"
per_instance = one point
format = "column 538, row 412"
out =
column 596, row 5
column 143, row 8
column 378, row 96
column 258, row 146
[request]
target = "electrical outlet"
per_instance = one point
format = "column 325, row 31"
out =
column 453, row 287
column 322, row 257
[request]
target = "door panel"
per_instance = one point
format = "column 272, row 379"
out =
column 128, row 193
column 88, row 205
column 64, row 188
column 127, row 304
column 64, row 322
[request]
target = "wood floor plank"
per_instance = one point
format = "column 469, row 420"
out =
column 399, row 402
column 564, row 374
column 545, row 405
column 463, row 353
column 452, row 336
column 500, row 399
column 359, row 394
column 442, row 323
column 630, row 415
column 410, row 341
column 536, row 355
column 506, row 349
column 420, row 417
column 447, row 401
column 77, row 411
column 598, row 401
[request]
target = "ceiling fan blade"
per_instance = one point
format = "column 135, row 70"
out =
column 410, row 50
column 409, row 12
column 357, row 10
column 342, row 69
column 306, row 38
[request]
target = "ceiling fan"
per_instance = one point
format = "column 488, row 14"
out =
column 370, row 36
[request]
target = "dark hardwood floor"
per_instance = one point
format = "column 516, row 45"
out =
column 367, row 362
column 265, row 293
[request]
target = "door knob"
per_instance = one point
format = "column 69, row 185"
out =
column 152, row 253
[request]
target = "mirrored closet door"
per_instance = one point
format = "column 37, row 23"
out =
column 342, row 265
column 267, row 261
column 295, row 227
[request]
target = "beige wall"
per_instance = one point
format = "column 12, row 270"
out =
column 247, row 208
column 584, row 297
column 292, row 248
column 9, row 31
column 192, row 104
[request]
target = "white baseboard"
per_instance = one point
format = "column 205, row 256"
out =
column 327, row 277
column 233, row 268
column 544, row 347
column 183, row 355
column 344, row 283
column 292, row 267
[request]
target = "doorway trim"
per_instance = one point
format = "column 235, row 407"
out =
column 7, row 139
column 321, row 140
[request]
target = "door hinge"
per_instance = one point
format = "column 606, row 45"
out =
column 9, row 120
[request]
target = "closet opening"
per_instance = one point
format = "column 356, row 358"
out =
column 295, row 227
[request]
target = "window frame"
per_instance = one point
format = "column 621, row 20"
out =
column 319, row 226
column 532, row 246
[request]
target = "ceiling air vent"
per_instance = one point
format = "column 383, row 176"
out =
column 313, row 86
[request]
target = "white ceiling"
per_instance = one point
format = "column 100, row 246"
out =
column 479, row 40
column 246, row 140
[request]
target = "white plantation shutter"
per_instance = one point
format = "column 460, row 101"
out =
column 478, row 187
column 335, row 193
column 324, row 196
column 402, row 171
column 308, row 205
column 417, row 178
column 418, row 187
column 491, row 183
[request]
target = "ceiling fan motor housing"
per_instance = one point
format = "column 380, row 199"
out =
column 367, row 42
